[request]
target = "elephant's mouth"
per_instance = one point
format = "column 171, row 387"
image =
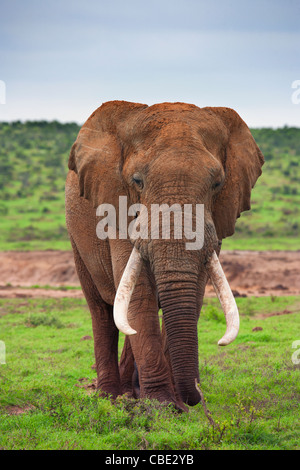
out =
column 218, row 279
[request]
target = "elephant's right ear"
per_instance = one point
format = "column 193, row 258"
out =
column 96, row 156
column 96, row 160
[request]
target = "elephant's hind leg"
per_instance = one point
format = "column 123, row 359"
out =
column 128, row 371
column 105, row 332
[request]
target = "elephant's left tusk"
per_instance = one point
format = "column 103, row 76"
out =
column 226, row 299
column 124, row 292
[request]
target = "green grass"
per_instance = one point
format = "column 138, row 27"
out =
column 255, row 243
column 251, row 387
column 46, row 287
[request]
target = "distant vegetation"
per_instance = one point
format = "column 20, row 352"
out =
column 274, row 219
column 33, row 167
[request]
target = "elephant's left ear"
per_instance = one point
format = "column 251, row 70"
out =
column 95, row 157
column 242, row 164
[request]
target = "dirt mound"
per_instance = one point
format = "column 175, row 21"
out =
column 248, row 272
column 28, row 268
column 262, row 272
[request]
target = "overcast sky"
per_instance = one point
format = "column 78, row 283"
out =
column 61, row 59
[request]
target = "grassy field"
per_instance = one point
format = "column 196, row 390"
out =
column 251, row 387
column 33, row 167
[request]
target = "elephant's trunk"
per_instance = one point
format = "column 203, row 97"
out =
column 178, row 299
column 219, row 282
column 178, row 291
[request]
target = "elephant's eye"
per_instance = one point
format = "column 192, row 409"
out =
column 137, row 179
column 217, row 185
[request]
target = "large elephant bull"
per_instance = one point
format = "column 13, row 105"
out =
column 167, row 154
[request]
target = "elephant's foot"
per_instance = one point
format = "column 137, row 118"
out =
column 108, row 390
column 132, row 389
column 181, row 407
column 177, row 404
column 165, row 396
column 169, row 400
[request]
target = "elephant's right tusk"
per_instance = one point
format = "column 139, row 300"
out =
column 124, row 292
column 226, row 299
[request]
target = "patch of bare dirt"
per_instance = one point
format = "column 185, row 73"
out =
column 259, row 273
column 249, row 273
column 27, row 268
column 17, row 410
column 87, row 385
column 26, row 293
column 276, row 314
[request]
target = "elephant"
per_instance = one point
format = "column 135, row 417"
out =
column 167, row 153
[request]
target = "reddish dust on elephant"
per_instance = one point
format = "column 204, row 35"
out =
column 165, row 154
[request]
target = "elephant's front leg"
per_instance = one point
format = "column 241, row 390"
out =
column 147, row 349
column 105, row 332
column 106, row 337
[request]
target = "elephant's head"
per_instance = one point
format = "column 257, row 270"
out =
column 172, row 153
